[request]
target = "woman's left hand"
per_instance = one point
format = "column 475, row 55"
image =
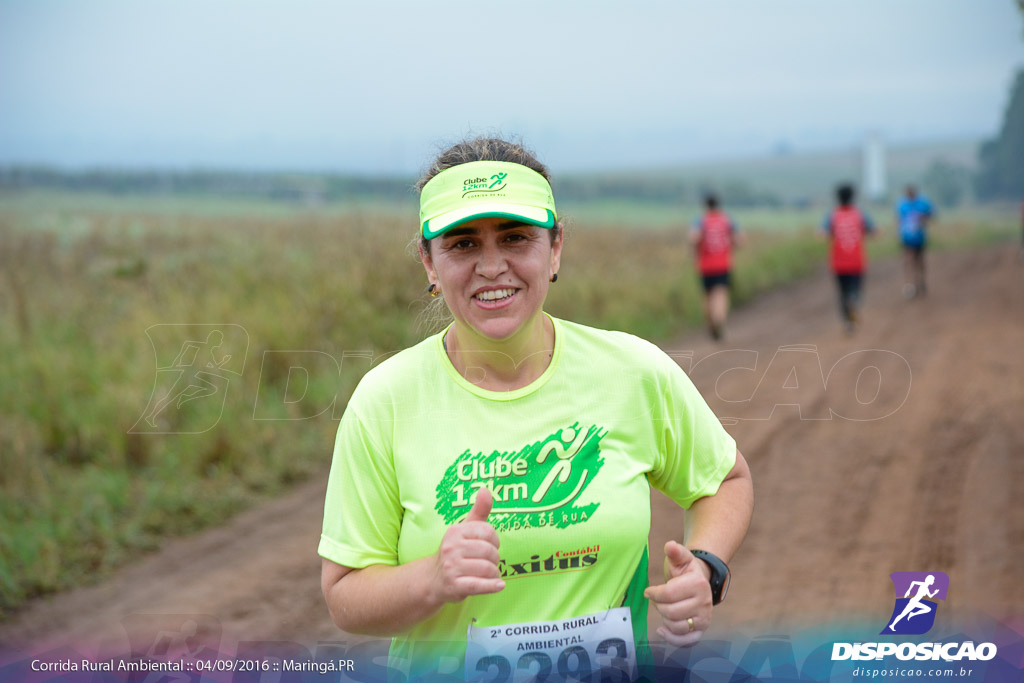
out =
column 685, row 595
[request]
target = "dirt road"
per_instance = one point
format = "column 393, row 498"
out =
column 927, row 477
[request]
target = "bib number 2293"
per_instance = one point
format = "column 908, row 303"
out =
column 596, row 647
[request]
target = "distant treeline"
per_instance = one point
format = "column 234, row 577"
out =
column 290, row 187
column 1001, row 172
column 664, row 189
column 321, row 188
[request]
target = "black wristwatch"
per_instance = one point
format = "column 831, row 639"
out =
column 720, row 575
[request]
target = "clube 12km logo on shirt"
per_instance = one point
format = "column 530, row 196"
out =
column 913, row 614
column 538, row 485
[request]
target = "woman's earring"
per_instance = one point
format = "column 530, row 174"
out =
column 554, row 278
column 433, row 289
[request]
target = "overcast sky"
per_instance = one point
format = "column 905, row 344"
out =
column 377, row 86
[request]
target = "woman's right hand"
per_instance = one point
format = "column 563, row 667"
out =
column 467, row 561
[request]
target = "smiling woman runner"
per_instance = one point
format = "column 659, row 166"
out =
column 489, row 499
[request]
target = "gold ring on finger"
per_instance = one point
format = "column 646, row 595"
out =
column 689, row 622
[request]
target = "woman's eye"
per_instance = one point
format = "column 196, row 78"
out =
column 463, row 244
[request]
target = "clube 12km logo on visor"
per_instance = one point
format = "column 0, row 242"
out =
column 914, row 614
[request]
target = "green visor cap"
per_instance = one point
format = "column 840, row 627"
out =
column 485, row 189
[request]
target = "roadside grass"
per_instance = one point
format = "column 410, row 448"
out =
column 81, row 494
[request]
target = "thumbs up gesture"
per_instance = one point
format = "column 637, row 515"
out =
column 467, row 561
column 684, row 600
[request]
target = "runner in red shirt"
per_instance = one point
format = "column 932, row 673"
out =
column 846, row 226
column 714, row 236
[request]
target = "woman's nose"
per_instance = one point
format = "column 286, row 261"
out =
column 492, row 262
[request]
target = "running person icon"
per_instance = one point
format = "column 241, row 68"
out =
column 190, row 368
column 915, row 607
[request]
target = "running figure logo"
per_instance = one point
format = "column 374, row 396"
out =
column 914, row 613
column 194, row 365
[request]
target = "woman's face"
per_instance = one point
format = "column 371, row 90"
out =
column 494, row 273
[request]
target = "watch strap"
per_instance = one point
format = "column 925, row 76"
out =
column 719, row 574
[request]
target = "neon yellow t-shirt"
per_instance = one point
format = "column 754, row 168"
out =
column 569, row 460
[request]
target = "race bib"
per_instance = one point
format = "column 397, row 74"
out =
column 573, row 648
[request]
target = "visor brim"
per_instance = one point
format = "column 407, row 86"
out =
column 531, row 215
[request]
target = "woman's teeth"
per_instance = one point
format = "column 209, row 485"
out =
column 495, row 294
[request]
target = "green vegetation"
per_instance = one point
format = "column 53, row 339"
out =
column 304, row 189
column 947, row 183
column 1001, row 172
column 83, row 281
column 1001, row 175
column 49, row 208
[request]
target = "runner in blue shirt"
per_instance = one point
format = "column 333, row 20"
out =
column 915, row 214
